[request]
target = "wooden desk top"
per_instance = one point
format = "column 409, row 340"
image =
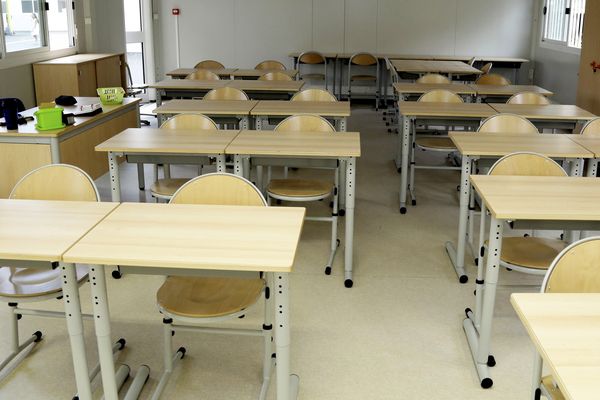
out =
column 420, row 88
column 267, row 86
column 194, row 237
column 183, row 72
column 565, row 329
column 44, row 230
column 589, row 142
column 79, row 58
column 209, row 107
column 285, row 108
column 255, row 73
column 29, row 129
column 456, row 58
column 188, row 84
column 295, row 54
column 296, row 144
column 501, row 144
column 438, row 66
column 546, row 198
column 466, row 110
column 508, row 90
column 169, row 141
column 545, row 112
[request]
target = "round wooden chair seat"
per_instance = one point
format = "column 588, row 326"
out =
column 299, row 188
column 363, row 78
column 531, row 252
column 313, row 76
column 207, row 297
column 436, row 143
column 167, row 187
column 552, row 390
column 30, row 282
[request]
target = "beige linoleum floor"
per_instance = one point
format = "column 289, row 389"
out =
column 397, row 334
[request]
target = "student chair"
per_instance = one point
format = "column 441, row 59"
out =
column 492, row 79
column 313, row 95
column 203, row 75
column 27, row 285
column 528, row 98
column 434, row 78
column 227, row 93
column 187, row 303
column 312, row 58
column 392, row 115
column 275, row 76
column 507, row 123
column 209, row 64
column 486, row 68
column 592, row 127
column 308, row 190
column 270, row 64
column 165, row 188
column 576, row 269
column 364, row 60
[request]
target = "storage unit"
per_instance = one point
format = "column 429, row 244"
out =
column 78, row 75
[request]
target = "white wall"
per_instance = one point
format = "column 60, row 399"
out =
column 240, row 33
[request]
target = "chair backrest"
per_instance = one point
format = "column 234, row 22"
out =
column 313, row 95
column 219, row 189
column 209, row 64
column 364, row 59
column 510, row 123
column 226, row 93
column 492, row 79
column 526, row 164
column 592, row 127
column 275, row 76
column 528, row 98
column 433, row 78
column 203, row 75
column 189, row 121
column 440, row 96
column 576, row 269
column 471, row 62
column 56, row 182
column 311, row 57
column 486, row 68
column 313, row 123
column 270, row 64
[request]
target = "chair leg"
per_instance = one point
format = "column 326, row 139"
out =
column 170, row 359
column 18, row 351
column 335, row 242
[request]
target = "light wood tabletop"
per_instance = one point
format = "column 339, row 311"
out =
column 455, row 58
column 435, row 66
column 546, row 112
column 169, row 141
column 326, row 54
column 38, row 230
column 255, row 73
column 501, row 144
column 420, row 88
column 467, row 110
column 209, row 107
column 565, row 329
column 188, row 84
column 284, row 108
column 269, row 86
column 547, row 198
column 589, row 142
column 184, row 236
column 508, row 90
column 296, row 144
column 183, row 72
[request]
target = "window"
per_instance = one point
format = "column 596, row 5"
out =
column 563, row 22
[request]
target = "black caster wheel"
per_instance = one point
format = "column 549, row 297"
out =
column 341, row 213
column 487, row 383
column 537, row 395
column 463, row 279
column 467, row 311
column 491, row 362
column 348, row 283
column 76, row 398
column 116, row 274
column 414, row 202
column 121, row 342
column 182, row 350
column 328, row 270
column 38, row 336
column 242, row 316
column 402, row 210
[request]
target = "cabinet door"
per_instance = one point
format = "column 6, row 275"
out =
column 108, row 72
column 52, row 81
column 86, row 75
column 588, row 93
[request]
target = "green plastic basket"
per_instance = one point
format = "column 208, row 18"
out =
column 49, row 118
column 111, row 95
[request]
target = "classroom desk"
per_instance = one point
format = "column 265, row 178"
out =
column 432, row 113
column 26, row 149
column 548, row 115
column 239, row 109
column 264, row 146
column 565, row 329
column 164, row 146
column 257, row 73
column 412, row 88
column 434, row 66
column 338, row 111
column 36, row 234
column 186, row 88
column 592, row 144
column 184, row 239
column 261, row 90
column 181, row 73
column 473, row 146
column 531, row 202
column 505, row 91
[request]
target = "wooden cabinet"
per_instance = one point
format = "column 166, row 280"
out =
column 78, row 75
column 588, row 91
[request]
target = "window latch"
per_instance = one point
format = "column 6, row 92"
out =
column 568, row 10
column 46, row 6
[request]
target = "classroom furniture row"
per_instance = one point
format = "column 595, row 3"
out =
column 232, row 73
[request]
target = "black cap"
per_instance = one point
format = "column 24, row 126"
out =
column 65, row 100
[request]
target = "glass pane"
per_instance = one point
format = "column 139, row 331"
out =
column 135, row 60
column 58, row 24
column 556, row 20
column 576, row 23
column 22, row 24
column 133, row 15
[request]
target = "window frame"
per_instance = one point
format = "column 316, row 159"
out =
column 558, row 45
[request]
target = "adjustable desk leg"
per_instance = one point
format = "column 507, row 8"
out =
column 115, row 185
column 287, row 385
column 349, row 234
column 405, row 140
